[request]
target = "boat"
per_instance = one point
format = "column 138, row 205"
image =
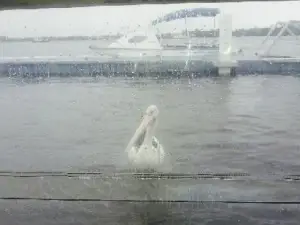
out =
column 144, row 43
column 41, row 39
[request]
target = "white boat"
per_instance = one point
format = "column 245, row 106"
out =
column 144, row 42
column 136, row 44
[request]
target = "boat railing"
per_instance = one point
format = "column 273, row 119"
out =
column 285, row 27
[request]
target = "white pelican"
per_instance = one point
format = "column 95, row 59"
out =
column 144, row 150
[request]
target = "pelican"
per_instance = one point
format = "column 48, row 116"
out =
column 144, row 150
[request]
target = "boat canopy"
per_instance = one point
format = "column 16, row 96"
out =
column 184, row 13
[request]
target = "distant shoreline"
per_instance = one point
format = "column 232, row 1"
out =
column 47, row 39
column 252, row 32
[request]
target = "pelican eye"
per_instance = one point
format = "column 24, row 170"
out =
column 151, row 113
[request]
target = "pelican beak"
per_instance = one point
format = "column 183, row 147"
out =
column 143, row 121
column 146, row 121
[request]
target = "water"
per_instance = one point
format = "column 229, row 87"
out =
column 243, row 124
column 285, row 46
column 247, row 124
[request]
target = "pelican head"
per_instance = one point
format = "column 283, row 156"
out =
column 143, row 147
column 150, row 117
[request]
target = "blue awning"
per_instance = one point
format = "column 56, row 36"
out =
column 183, row 13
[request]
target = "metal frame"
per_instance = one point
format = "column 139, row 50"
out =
column 285, row 27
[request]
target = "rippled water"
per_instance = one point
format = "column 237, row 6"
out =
column 244, row 124
column 248, row 124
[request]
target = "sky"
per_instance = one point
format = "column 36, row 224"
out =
column 100, row 20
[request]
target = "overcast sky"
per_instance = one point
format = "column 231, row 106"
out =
column 112, row 19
